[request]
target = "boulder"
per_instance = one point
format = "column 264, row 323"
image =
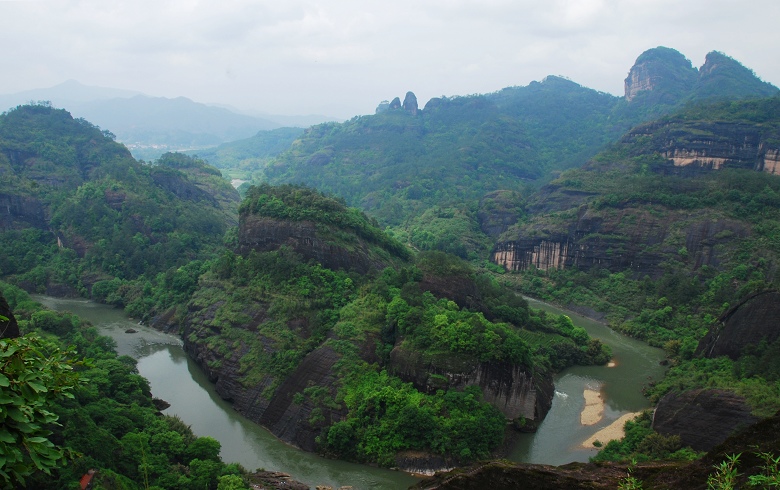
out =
column 702, row 418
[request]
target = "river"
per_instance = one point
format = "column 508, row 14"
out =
column 175, row 378
column 560, row 436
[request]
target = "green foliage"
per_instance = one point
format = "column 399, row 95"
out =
column 770, row 477
column 33, row 373
column 89, row 213
column 55, row 428
column 387, row 416
column 641, row 443
column 630, row 482
column 297, row 203
column 725, row 476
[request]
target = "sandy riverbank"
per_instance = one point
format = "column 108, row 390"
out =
column 594, row 407
column 611, row 432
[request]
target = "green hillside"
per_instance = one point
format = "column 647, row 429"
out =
column 81, row 211
column 666, row 232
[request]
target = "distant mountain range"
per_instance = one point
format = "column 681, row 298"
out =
column 150, row 126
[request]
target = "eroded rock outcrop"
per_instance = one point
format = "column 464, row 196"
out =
column 515, row 390
column 410, row 103
column 309, row 239
column 702, row 418
column 663, row 71
column 712, row 145
column 277, row 409
column 747, row 324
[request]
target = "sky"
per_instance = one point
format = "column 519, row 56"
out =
column 340, row 58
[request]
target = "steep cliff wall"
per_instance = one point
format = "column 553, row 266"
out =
column 260, row 400
column 18, row 211
column 628, row 239
column 311, row 240
column 712, row 145
column 747, row 324
column 515, row 390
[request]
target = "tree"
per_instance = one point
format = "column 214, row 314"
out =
column 33, row 373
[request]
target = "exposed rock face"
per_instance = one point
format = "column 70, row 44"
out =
column 175, row 183
column 713, row 145
column 663, row 70
column 410, row 103
column 702, row 418
column 307, row 239
column 279, row 412
column 18, row 211
column 513, row 389
column 503, row 474
column 746, row 324
column 630, row 239
column 9, row 328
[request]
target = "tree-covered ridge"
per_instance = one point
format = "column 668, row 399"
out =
column 396, row 163
column 108, row 422
column 400, row 164
column 298, row 203
column 80, row 209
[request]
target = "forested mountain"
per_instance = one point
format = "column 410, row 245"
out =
column 304, row 281
column 411, row 167
column 672, row 232
column 78, row 209
column 319, row 321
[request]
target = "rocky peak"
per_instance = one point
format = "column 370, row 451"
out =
column 410, row 103
column 664, row 71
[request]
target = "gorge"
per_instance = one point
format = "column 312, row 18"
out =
column 176, row 378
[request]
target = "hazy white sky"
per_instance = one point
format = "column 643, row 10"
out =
column 342, row 57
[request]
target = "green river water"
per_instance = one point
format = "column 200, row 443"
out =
column 175, row 378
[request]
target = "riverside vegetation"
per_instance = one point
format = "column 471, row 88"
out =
column 88, row 408
column 160, row 240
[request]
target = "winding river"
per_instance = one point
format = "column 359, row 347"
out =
column 175, row 378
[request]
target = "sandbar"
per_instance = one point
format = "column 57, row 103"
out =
column 594, row 407
column 610, row 432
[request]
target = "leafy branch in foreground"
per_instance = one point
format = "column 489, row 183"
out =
column 33, row 372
